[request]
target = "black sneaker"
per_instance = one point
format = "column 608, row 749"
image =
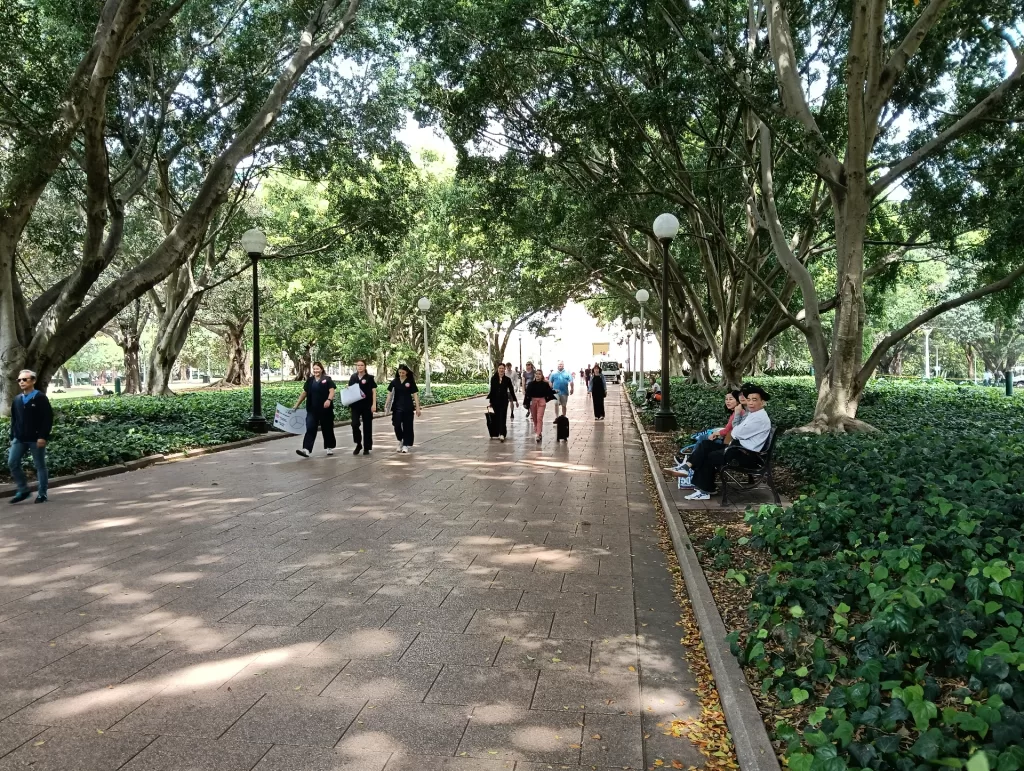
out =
column 19, row 497
column 41, row 499
column 358, row 449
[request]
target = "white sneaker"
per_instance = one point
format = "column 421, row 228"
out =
column 405, row 449
column 698, row 495
column 330, row 452
column 400, row 447
column 303, row 452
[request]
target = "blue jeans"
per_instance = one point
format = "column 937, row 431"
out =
column 14, row 456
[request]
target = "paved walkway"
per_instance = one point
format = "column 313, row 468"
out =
column 473, row 606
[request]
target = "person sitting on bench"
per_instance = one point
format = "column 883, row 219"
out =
column 750, row 437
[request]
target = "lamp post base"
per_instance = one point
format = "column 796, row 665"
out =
column 257, row 424
column 665, row 421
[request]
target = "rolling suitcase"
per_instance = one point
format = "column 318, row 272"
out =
column 562, row 428
column 492, row 425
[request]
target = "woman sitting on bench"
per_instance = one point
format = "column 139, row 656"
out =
column 750, row 436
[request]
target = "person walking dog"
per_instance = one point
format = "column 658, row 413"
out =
column 364, row 409
column 318, row 393
column 31, row 423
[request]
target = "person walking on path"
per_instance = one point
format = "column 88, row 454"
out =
column 364, row 409
column 598, row 391
column 517, row 379
column 563, row 386
column 515, row 402
column 529, row 373
column 318, row 393
column 539, row 393
column 500, row 397
column 403, row 402
column 31, row 423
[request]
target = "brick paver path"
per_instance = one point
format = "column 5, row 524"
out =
column 473, row 606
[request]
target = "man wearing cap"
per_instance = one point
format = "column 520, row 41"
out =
column 31, row 422
column 750, row 436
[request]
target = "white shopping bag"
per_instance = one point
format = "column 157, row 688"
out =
column 352, row 394
column 287, row 419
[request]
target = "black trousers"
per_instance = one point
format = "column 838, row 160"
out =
column 402, row 421
column 709, row 457
column 319, row 419
column 501, row 417
column 598, row 406
column 362, row 414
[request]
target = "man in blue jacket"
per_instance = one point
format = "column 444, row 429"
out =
column 31, row 422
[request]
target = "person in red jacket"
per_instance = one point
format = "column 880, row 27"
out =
column 31, row 423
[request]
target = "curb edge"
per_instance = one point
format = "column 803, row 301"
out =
column 754, row 749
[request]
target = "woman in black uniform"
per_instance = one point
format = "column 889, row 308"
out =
column 363, row 410
column 403, row 401
column 499, row 397
column 318, row 393
column 598, row 392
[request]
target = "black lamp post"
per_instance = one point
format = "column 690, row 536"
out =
column 665, row 228
column 255, row 243
column 424, row 306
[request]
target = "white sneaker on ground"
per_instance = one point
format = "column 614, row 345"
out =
column 399, row 448
column 330, row 452
column 405, row 449
column 698, row 495
column 303, row 452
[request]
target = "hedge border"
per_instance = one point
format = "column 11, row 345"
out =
column 7, row 491
column 754, row 749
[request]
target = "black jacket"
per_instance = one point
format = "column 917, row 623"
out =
column 539, row 390
column 501, row 392
column 598, row 387
column 31, row 421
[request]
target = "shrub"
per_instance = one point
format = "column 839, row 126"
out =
column 894, row 605
column 94, row 432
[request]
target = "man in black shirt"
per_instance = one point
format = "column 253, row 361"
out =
column 31, row 423
column 364, row 409
column 318, row 393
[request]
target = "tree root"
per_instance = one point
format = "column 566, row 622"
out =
column 843, row 425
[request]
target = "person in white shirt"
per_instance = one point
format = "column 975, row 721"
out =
column 709, row 457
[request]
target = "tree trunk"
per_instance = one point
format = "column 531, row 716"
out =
column 303, row 363
column 171, row 333
column 132, row 370
column 238, row 356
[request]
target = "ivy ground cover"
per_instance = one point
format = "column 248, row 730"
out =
column 95, row 432
column 885, row 620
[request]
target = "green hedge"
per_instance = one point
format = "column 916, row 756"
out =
column 95, row 432
column 893, row 610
